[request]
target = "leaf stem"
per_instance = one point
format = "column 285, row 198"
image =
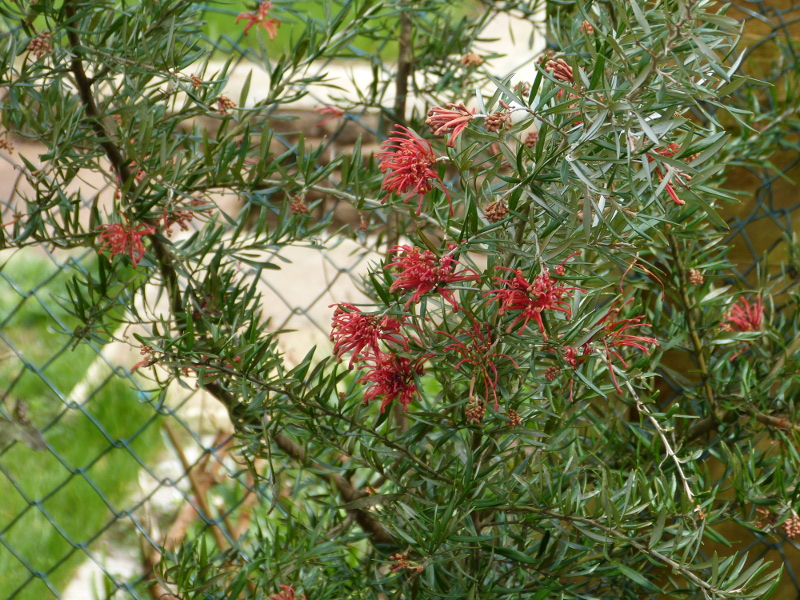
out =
column 699, row 350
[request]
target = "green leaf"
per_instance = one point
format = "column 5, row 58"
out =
column 655, row 536
column 514, row 555
column 638, row 578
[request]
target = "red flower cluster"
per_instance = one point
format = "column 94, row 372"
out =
column 393, row 378
column 532, row 298
column 422, row 272
column 125, row 239
column 359, row 333
column 742, row 317
column 391, row 375
column 411, row 162
column 614, row 334
column 379, row 346
column 260, row 18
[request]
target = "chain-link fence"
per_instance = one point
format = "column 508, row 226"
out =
column 101, row 473
column 764, row 221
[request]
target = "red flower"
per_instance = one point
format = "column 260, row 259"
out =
column 571, row 356
column 125, row 239
column 476, row 351
column 411, row 161
column 334, row 113
column 545, row 293
column 287, row 593
column 454, row 118
column 669, row 152
column 614, row 336
column 260, row 17
column 359, row 333
column 743, row 316
column 393, row 378
column 422, row 272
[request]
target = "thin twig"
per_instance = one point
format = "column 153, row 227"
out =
column 662, row 434
column 171, row 281
column 699, row 351
column 404, row 62
column 771, row 420
column 113, row 153
column 87, row 99
column 229, row 401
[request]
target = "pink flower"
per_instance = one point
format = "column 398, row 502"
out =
column 531, row 299
column 287, row 593
column 393, row 378
column 260, row 18
column 454, row 118
column 476, row 351
column 410, row 160
column 422, row 272
column 359, row 333
column 334, row 113
column 125, row 239
column 560, row 70
column 742, row 317
column 614, row 335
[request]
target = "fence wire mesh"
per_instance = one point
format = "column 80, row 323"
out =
column 100, row 473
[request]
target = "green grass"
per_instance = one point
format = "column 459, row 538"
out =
column 84, row 437
column 220, row 27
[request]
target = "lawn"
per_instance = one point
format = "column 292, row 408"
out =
column 221, row 29
column 64, row 495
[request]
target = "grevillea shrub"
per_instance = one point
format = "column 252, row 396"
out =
column 561, row 388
